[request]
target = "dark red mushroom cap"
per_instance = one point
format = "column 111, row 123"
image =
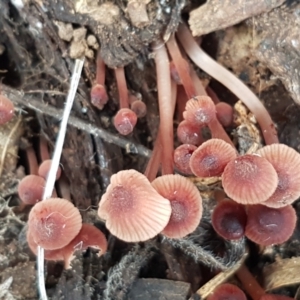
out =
column 44, row 169
column 275, row 297
column 229, row 219
column 211, row 158
column 227, row 291
column 139, row 108
column 31, row 189
column 182, row 155
column 286, row 162
column 6, row 110
column 125, row 120
column 188, row 133
column 98, row 96
column 200, row 110
column 132, row 208
column 268, row 226
column 186, row 203
column 249, row 179
column 53, row 223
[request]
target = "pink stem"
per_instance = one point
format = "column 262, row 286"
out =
column 211, row 67
column 181, row 102
column 122, row 87
column 44, row 152
column 218, row 132
column 100, row 71
column 182, row 67
column 165, row 106
column 211, row 93
column 200, row 90
column 32, row 161
column 154, row 161
column 250, row 284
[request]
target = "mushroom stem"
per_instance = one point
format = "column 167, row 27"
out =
column 250, row 284
column 165, row 106
column 154, row 161
column 32, row 161
column 182, row 67
column 100, row 71
column 122, row 87
column 44, row 152
column 211, row 67
column 218, row 132
column 200, row 90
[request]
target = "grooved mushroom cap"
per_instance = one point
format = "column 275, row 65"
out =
column 182, row 155
column 44, row 169
column 89, row 236
column 229, row 219
column 286, row 162
column 188, row 133
column 54, row 255
column 268, row 226
column 31, row 189
column 200, row 110
column 132, row 208
column 6, row 110
column 211, row 158
column 227, row 291
column 249, row 179
column 125, row 120
column 186, row 203
column 53, row 223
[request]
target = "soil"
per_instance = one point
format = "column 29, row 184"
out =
column 38, row 42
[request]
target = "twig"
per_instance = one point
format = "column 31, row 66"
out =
column 55, row 164
column 34, row 104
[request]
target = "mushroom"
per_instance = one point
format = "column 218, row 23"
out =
column 132, row 208
column 227, row 291
column 229, row 219
column 6, row 110
column 269, row 226
column 211, row 158
column 186, row 204
column 249, row 179
column 189, row 133
column 98, row 92
column 285, row 161
column 53, row 223
column 44, row 169
column 182, row 156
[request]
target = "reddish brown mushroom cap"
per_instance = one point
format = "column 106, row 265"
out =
column 182, row 155
column 31, row 189
column 132, row 208
column 249, row 179
column 200, row 110
column 267, row 226
column 229, row 219
column 211, row 158
column 44, row 169
column 89, row 236
column 125, row 120
column 227, row 291
column 286, row 162
column 53, row 223
column 99, row 96
column 188, row 133
column 186, row 203
column 6, row 110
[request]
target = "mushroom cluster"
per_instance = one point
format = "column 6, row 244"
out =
column 259, row 187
